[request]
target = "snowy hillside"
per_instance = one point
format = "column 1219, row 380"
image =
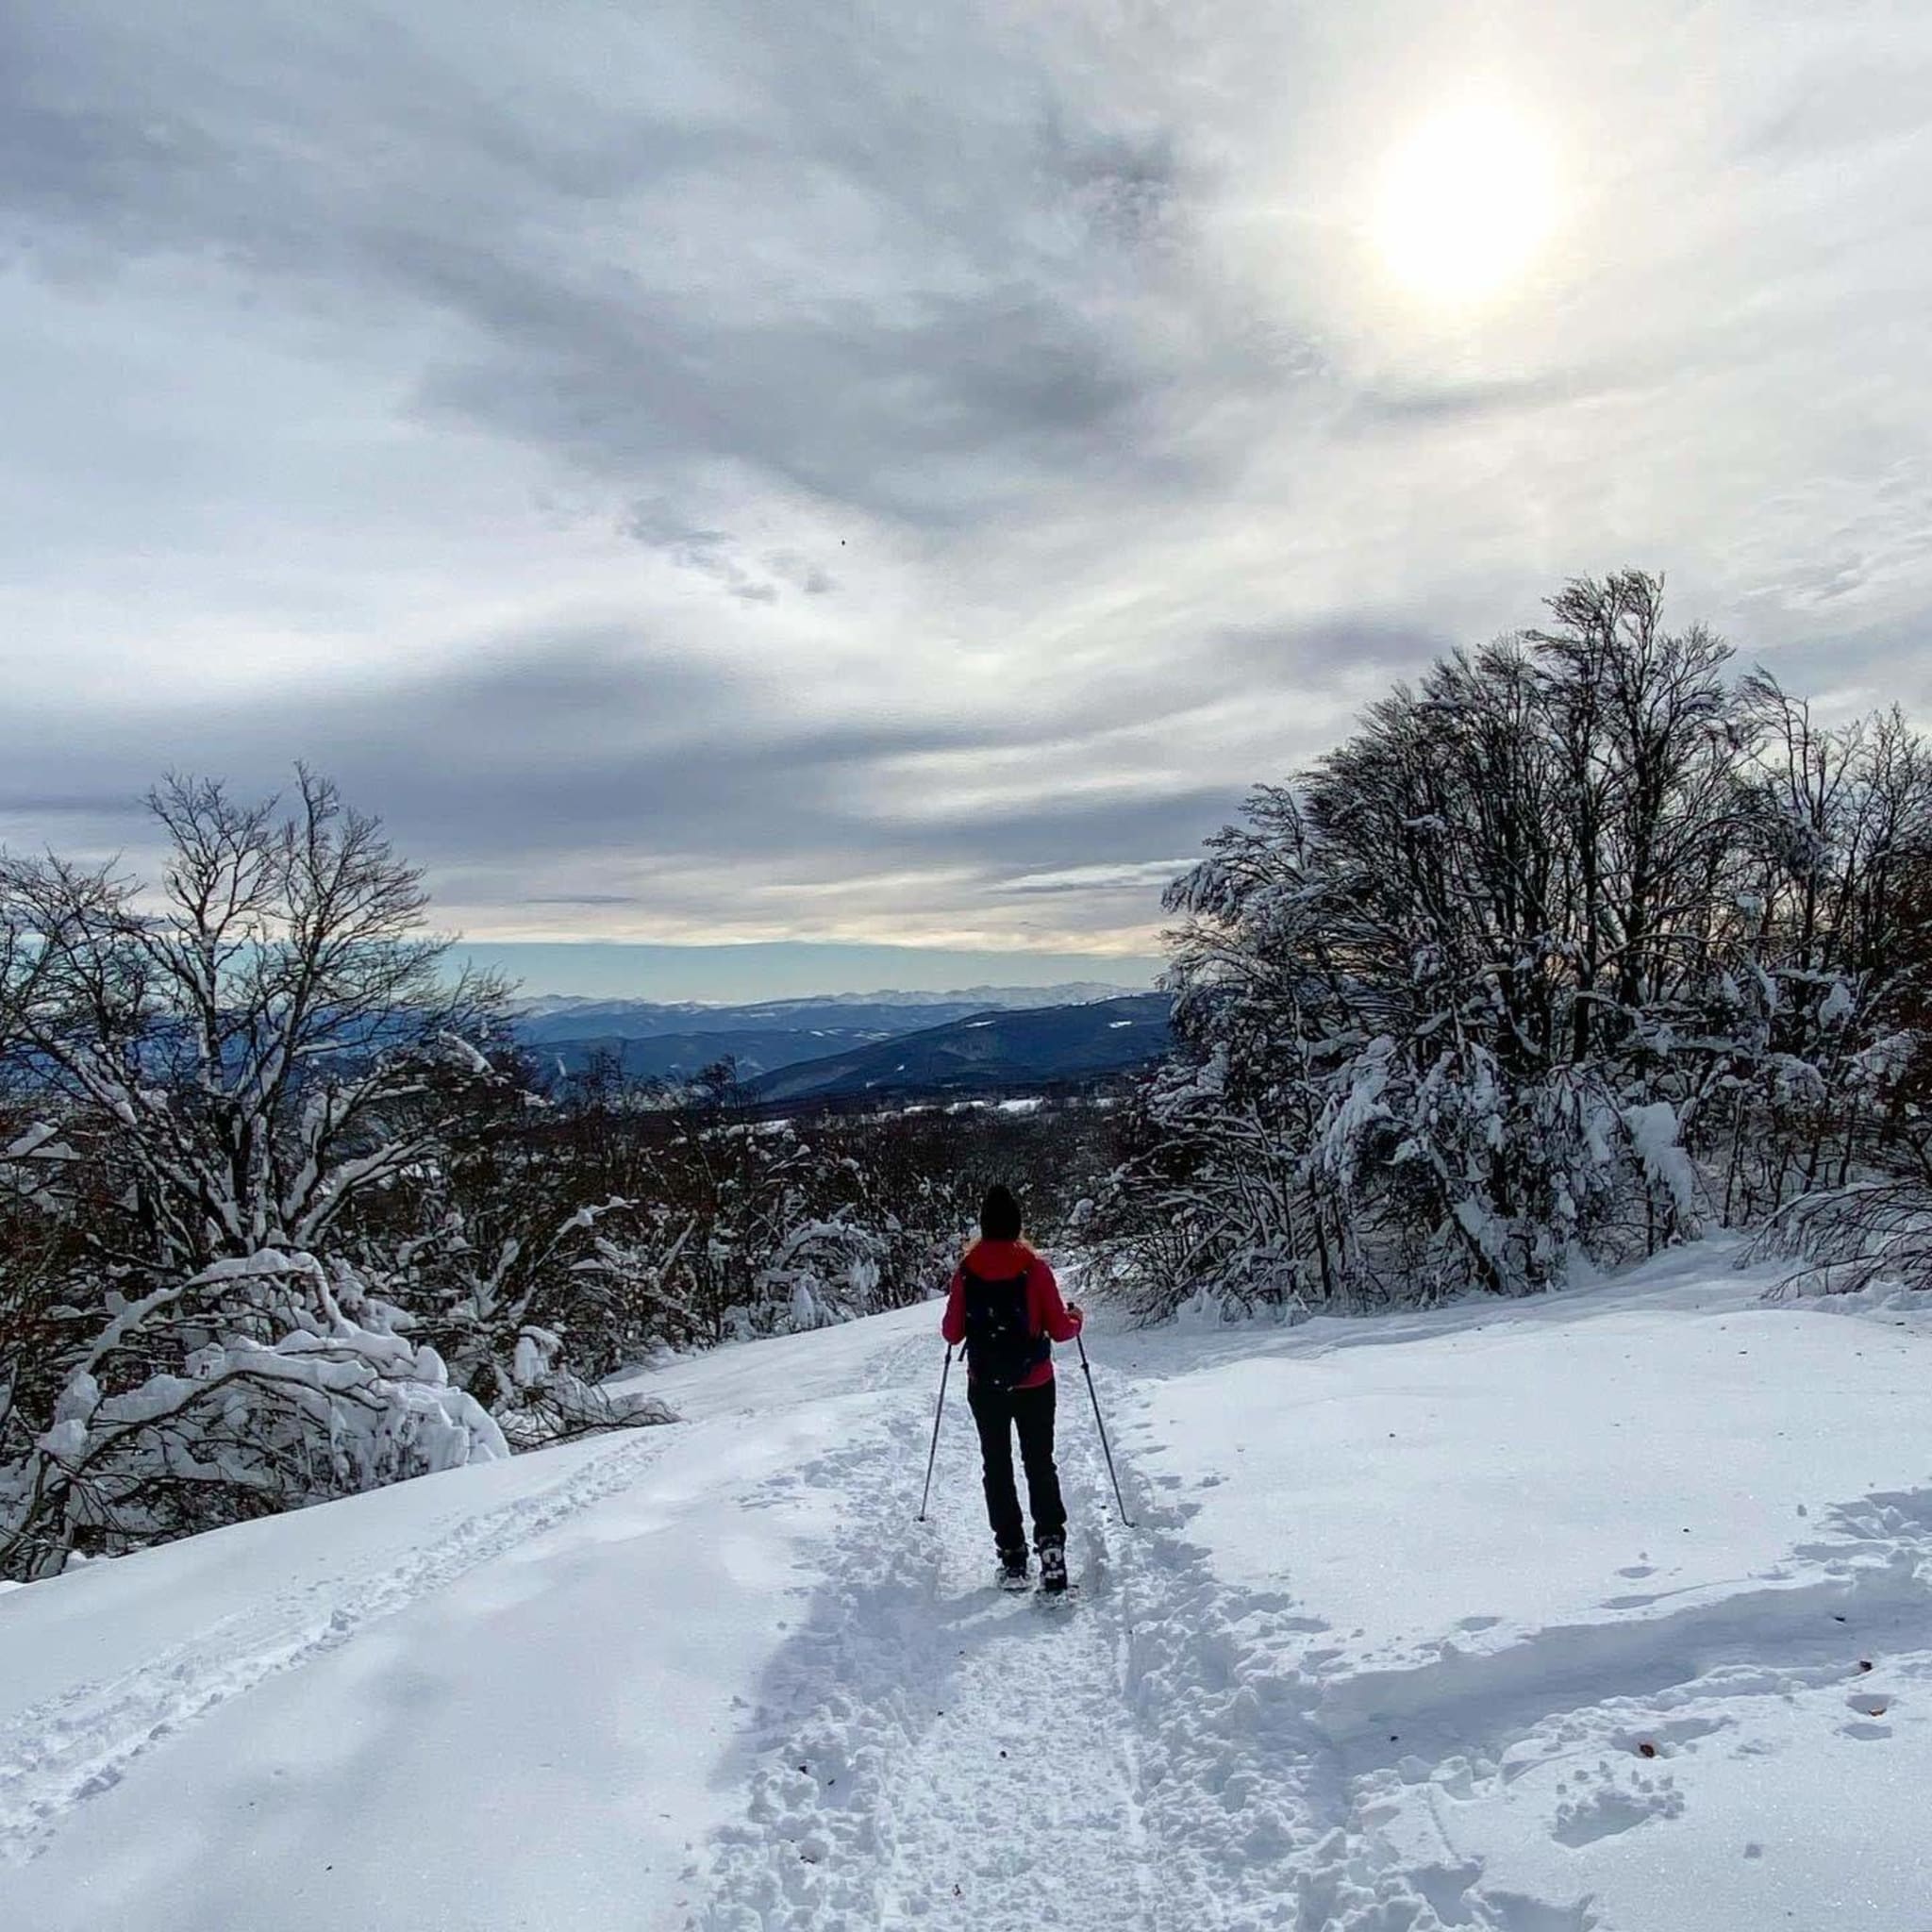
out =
column 1609, row 1611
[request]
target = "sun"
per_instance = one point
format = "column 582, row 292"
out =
column 1466, row 201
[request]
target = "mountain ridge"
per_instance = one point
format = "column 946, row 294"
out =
column 989, row 1049
column 657, row 1040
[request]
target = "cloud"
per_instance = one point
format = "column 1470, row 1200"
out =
column 900, row 473
column 715, row 554
column 711, row 552
column 627, row 899
column 1453, row 401
column 597, row 753
column 1149, row 876
column 338, row 160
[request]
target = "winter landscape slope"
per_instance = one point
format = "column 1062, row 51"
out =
column 1607, row 1611
column 683, row 1056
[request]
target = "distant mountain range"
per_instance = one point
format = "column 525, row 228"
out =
column 651, row 1039
column 1049, row 1044
column 565, row 1015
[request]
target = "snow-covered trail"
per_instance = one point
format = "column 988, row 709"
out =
column 1542, row 1617
column 500, row 1697
column 929, row 1749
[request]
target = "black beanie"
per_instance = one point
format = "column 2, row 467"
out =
column 999, row 1215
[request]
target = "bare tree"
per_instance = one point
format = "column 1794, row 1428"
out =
column 213, row 1077
column 267, row 1037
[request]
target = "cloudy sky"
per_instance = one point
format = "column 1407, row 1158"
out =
column 719, row 470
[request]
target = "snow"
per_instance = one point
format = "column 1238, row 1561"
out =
column 1544, row 1616
column 1590, row 1588
column 1643, row 1488
column 1654, row 1133
column 518, row 1689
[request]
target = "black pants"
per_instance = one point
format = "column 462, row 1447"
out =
column 999, row 1412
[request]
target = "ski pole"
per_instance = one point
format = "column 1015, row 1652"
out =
column 1087, row 1369
column 932, row 1454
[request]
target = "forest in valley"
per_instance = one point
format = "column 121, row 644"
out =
column 1591, row 941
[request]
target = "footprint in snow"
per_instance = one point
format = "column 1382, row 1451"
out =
column 1614, row 1806
column 1870, row 1706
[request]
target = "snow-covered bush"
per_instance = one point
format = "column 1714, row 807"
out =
column 548, row 1401
column 254, row 1385
column 789, row 1229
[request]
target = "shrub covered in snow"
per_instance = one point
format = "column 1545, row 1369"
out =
column 257, row 1384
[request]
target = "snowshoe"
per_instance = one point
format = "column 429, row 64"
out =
column 1053, row 1568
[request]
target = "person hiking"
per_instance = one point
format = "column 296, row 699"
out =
column 1004, row 1305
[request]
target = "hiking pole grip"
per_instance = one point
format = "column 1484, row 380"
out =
column 1087, row 1369
column 932, row 1454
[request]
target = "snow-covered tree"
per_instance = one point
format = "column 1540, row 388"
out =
column 1493, row 981
column 211, row 1080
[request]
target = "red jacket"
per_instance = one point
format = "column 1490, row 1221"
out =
column 1046, row 1314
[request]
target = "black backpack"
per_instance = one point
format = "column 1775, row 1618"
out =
column 1001, row 1346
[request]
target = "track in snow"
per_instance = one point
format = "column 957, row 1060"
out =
column 927, row 1751
column 59, row 1753
column 931, row 1750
